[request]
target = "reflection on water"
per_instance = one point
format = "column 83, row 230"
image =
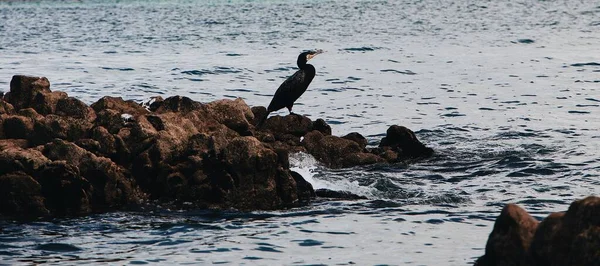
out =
column 506, row 93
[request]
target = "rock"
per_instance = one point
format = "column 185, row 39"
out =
column 75, row 108
column 66, row 192
column 571, row 238
column 21, row 197
column 23, row 90
column 176, row 104
column 345, row 195
column 120, row 106
column 257, row 179
column 54, row 126
column 358, row 138
column 259, row 112
column 509, row 242
column 304, row 189
column 321, row 126
column 333, row 151
column 234, row 114
column 45, row 102
column 403, row 141
column 14, row 157
column 110, row 186
column 17, row 127
column 111, row 119
column 287, row 125
column 6, row 107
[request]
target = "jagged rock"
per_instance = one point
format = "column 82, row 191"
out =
column 337, row 152
column 234, row 114
column 571, row 238
column 176, row 104
column 358, row 138
column 116, row 152
column 321, row 126
column 404, row 142
column 17, row 127
column 258, row 180
column 14, row 156
column 120, row 106
column 23, row 90
column 45, row 102
column 65, row 191
column 6, row 107
column 509, row 242
column 259, row 112
column 110, row 186
column 54, row 126
column 287, row 125
column 75, row 108
column 20, row 196
column 304, row 189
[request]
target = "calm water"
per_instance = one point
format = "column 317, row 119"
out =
column 507, row 94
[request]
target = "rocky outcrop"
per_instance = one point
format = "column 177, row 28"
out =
column 564, row 238
column 59, row 156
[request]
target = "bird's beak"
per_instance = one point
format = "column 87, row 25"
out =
column 316, row 52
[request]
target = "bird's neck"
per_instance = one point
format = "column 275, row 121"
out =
column 303, row 65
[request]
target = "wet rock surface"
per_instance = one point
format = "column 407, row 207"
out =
column 562, row 238
column 59, row 156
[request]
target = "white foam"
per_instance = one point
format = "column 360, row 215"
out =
column 306, row 165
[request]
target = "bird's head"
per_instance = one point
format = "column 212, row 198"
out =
column 308, row 55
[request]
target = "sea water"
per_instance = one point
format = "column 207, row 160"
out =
column 507, row 94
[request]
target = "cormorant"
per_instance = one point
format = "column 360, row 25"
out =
column 294, row 86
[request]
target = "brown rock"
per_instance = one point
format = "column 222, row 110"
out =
column 66, row 192
column 54, row 126
column 259, row 113
column 176, row 104
column 571, row 238
column 111, row 120
column 258, row 179
column 20, row 196
column 235, row 114
column 110, row 186
column 119, row 105
column 403, row 141
column 75, row 108
column 321, row 126
column 358, row 138
column 331, row 150
column 304, row 189
column 23, row 90
column 287, row 125
column 6, row 107
column 15, row 157
column 509, row 242
column 17, row 127
column 45, row 102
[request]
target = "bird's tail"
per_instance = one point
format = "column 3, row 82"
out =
column 262, row 120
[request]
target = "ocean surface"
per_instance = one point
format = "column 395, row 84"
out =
column 506, row 92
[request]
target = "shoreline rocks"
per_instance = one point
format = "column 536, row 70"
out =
column 562, row 238
column 59, row 156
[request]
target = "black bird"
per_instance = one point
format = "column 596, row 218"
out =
column 293, row 87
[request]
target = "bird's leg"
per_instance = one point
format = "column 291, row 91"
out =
column 292, row 113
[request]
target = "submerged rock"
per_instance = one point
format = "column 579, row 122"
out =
column 59, row 156
column 335, row 194
column 571, row 238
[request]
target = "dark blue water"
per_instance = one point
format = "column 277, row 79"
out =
column 506, row 93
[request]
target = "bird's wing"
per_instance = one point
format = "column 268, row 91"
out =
column 288, row 92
